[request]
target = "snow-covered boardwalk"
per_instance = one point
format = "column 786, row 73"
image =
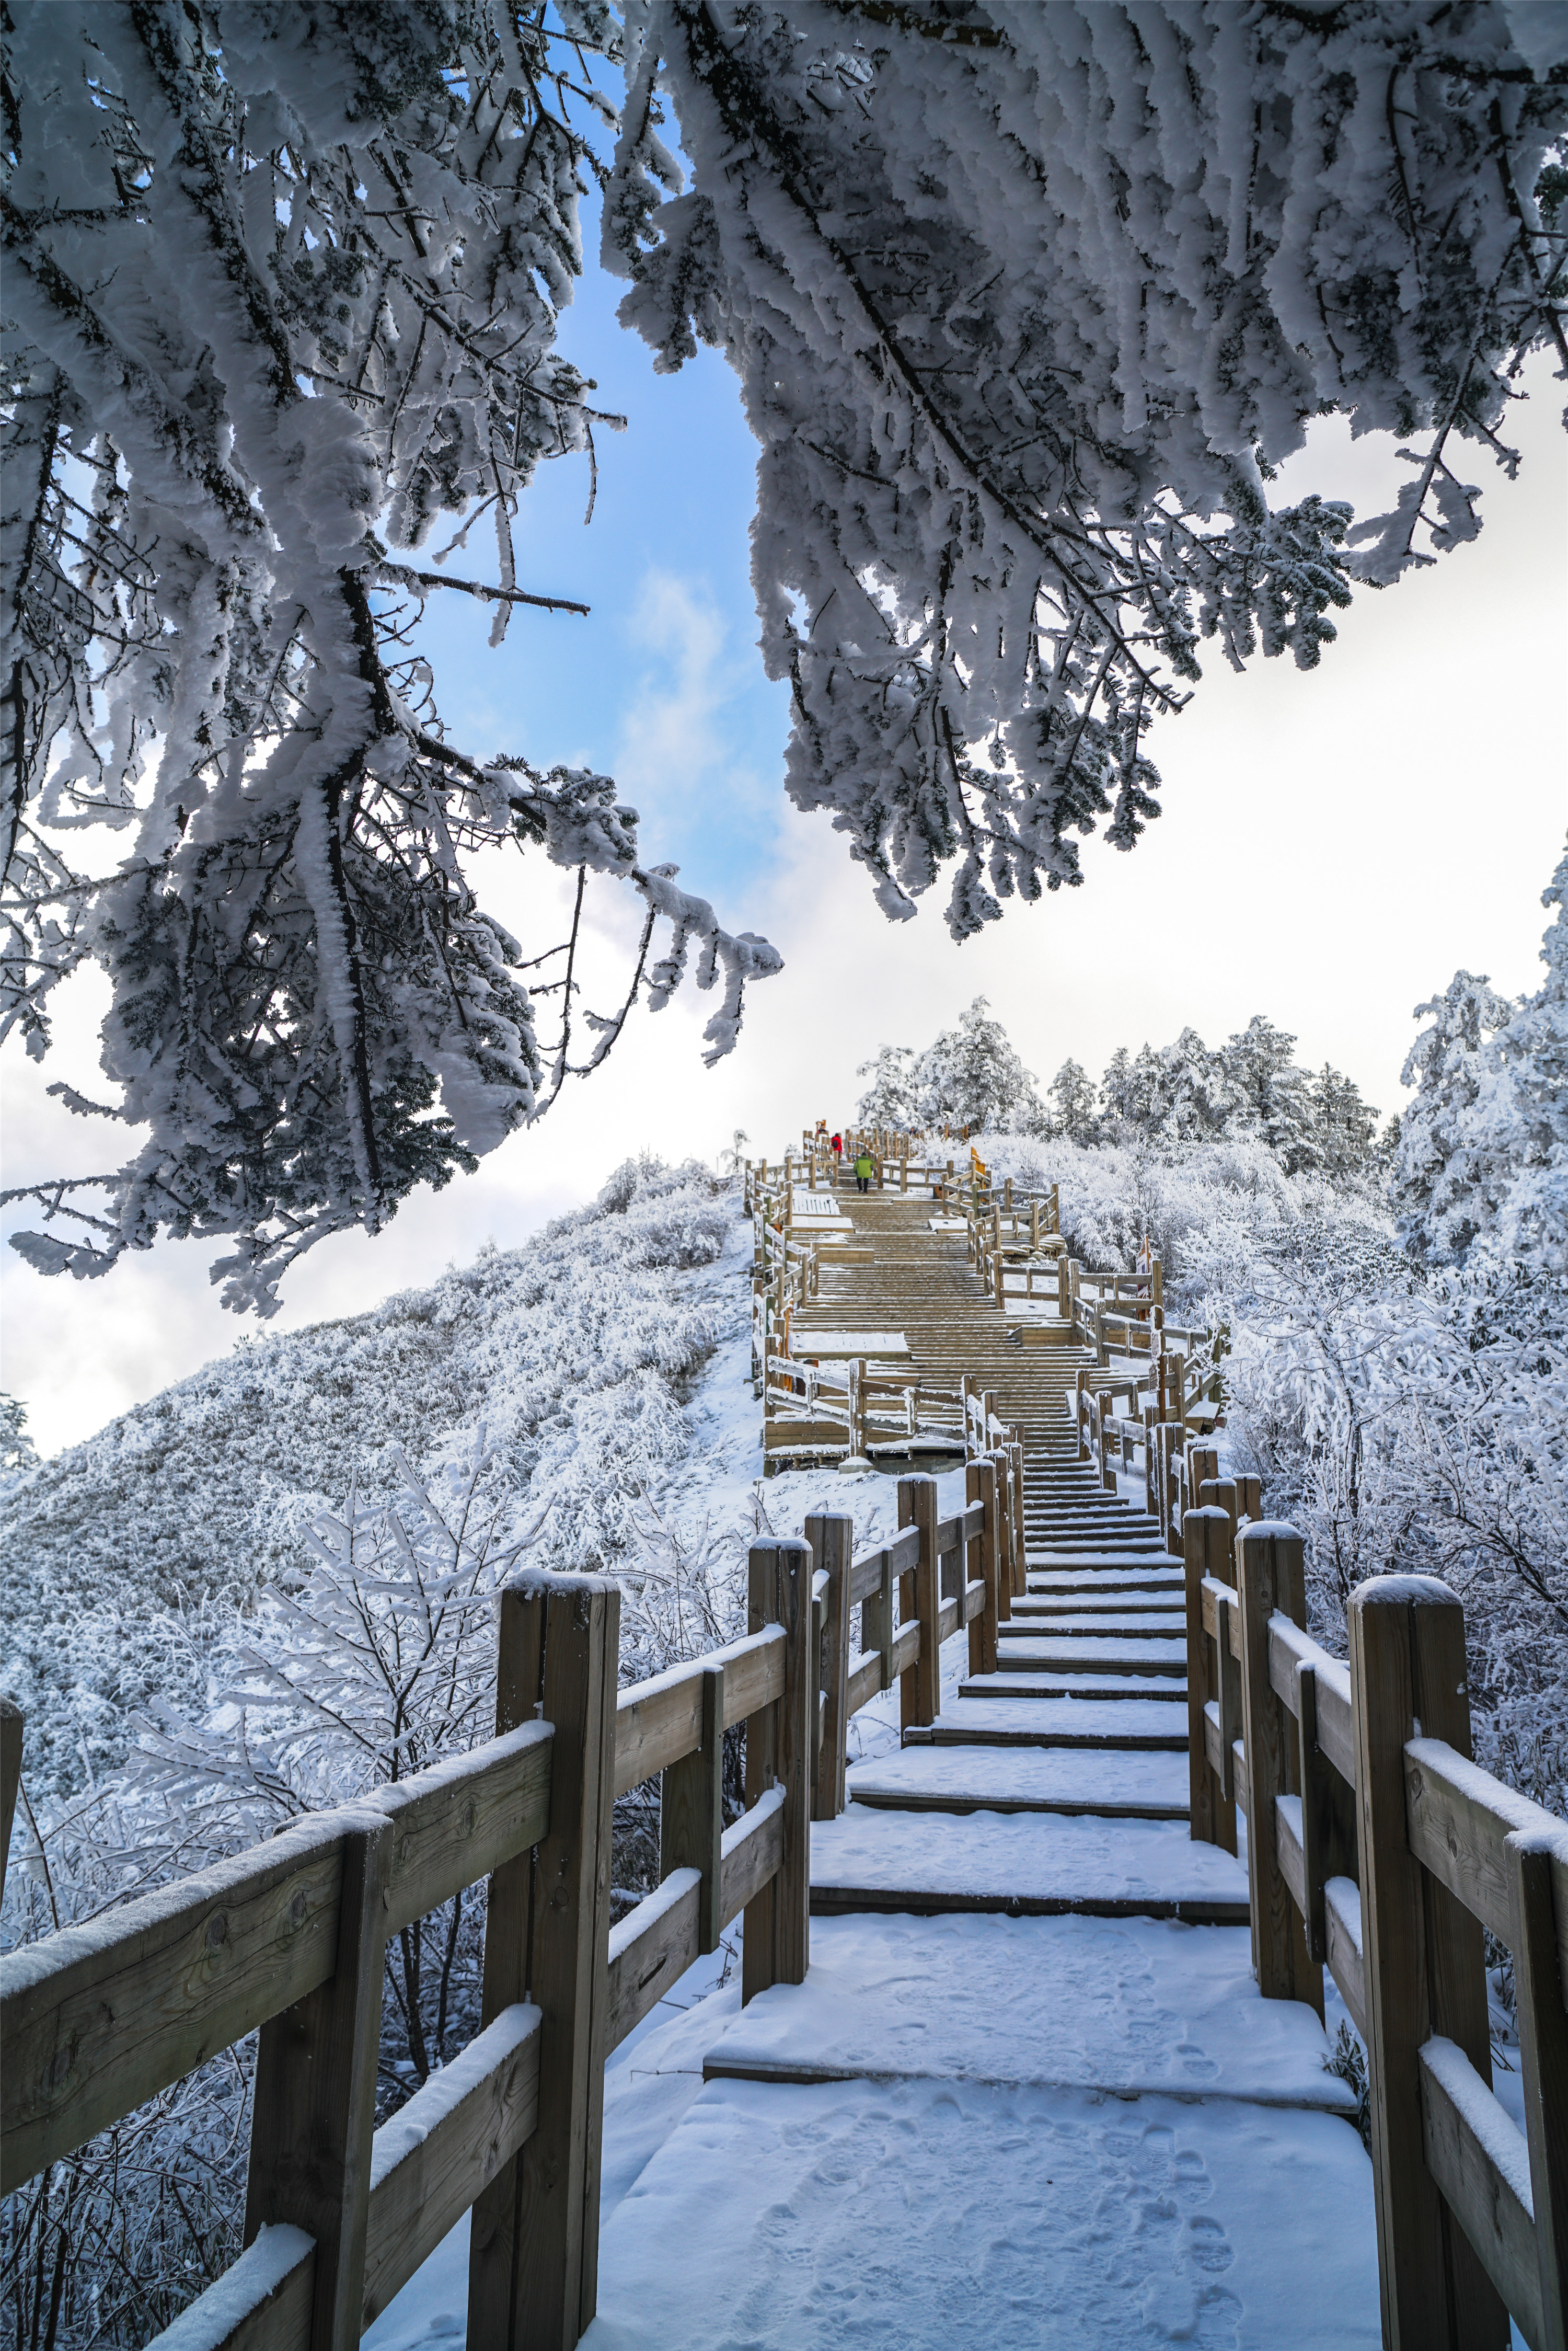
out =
column 1029, row 2093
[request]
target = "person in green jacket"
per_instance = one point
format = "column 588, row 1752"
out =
column 864, row 1170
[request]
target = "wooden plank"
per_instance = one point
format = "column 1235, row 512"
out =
column 508, row 1933
column 753, row 1853
column 96, row 2019
column 1328, row 1814
column 863, row 1681
column 1421, row 1959
column 1288, row 1847
column 1289, row 1647
column 1211, row 1815
column 831, row 1538
column 919, row 1686
column 948, row 1620
column 1460, row 1820
column 314, row 2108
column 659, row 1720
column 980, row 1482
column 265, row 2304
column 459, row 1821
column 1341, row 1910
column 651, row 1948
column 691, row 1811
column 1231, row 1704
column 777, row 1748
column 10, row 1776
column 432, row 2159
column 555, row 2278
column 866, row 1575
column 1478, row 2187
column 1540, row 2000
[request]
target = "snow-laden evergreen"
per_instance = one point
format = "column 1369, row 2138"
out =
column 1483, row 1149
column 1028, row 303
column 969, row 1075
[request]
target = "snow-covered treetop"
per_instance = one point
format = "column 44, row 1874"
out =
column 281, row 291
column 1483, row 1148
column 1028, row 302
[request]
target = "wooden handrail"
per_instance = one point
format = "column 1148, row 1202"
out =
column 1375, row 1845
column 96, row 2018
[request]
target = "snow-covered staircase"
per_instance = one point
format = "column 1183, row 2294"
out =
column 1029, row 2093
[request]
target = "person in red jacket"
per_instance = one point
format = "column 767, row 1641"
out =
column 839, row 1149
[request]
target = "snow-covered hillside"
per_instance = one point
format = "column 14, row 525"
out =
column 577, row 1355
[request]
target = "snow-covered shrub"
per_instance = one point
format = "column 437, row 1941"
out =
column 574, row 1352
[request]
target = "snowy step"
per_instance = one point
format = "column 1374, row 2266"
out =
column 1119, row 1541
column 1150, row 1624
column 1087, row 1601
column 969, row 2216
column 1139, row 1578
column 1027, row 1864
column 1065, row 1555
column 1133, row 1720
column 1035, row 1650
column 1020, row 1681
column 1111, row 1784
column 1121, row 2005
column 1043, row 1557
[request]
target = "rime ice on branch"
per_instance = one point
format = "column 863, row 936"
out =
column 281, row 290
column 1028, row 302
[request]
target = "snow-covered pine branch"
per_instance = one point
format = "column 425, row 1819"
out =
column 1028, row 303
column 281, row 290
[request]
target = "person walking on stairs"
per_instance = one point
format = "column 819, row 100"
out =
column 864, row 1171
column 838, row 1152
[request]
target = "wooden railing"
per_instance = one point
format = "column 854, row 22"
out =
column 289, row 1938
column 1377, row 1846
column 1167, row 1403
column 935, row 1577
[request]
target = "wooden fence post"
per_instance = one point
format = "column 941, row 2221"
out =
column 1080, row 1389
column 691, row 1810
column 1422, row 1958
column 1202, row 1464
column 314, row 2115
column 1002, row 1536
column 10, row 1776
column 981, row 1486
column 1168, row 1440
column 508, row 1915
column 1211, row 1814
column 555, row 2282
column 1269, row 1575
column 775, row 1944
column 920, row 1685
column 831, row 1538
column 1328, row 1816
column 1014, row 1483
column 1539, row 1999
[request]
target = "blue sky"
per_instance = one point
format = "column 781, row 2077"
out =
column 664, row 565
